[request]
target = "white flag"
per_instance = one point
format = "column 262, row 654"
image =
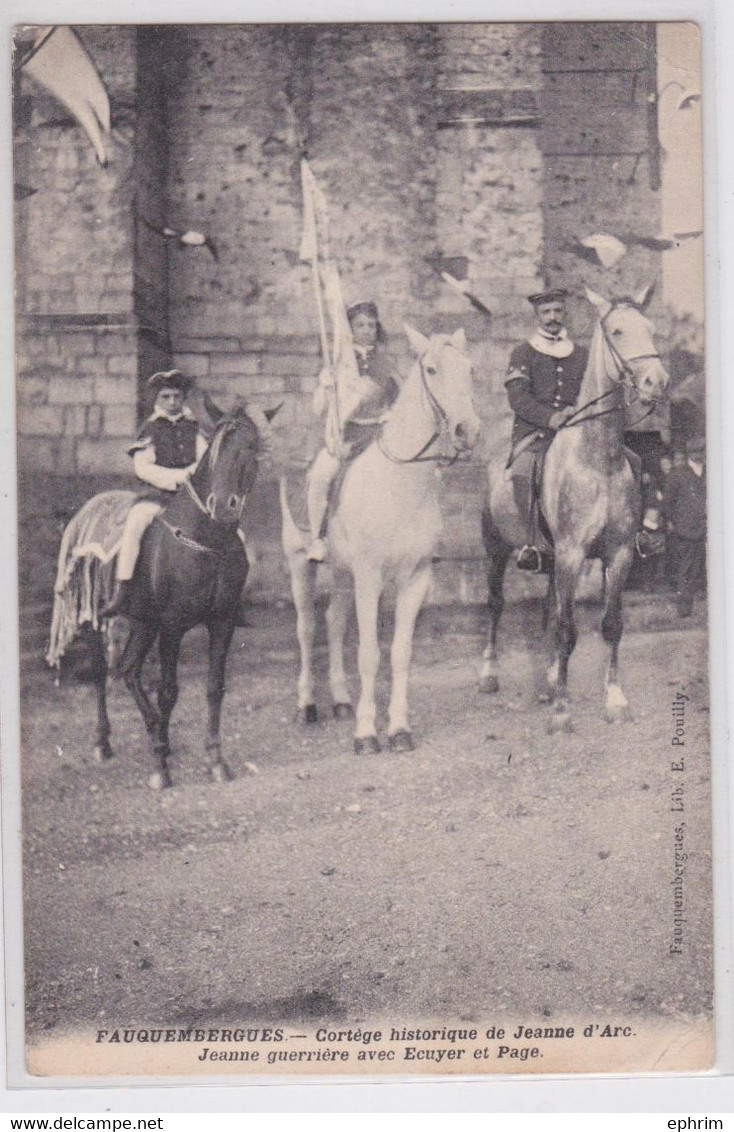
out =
column 60, row 64
column 315, row 249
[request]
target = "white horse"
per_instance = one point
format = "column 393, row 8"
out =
column 385, row 527
column 590, row 497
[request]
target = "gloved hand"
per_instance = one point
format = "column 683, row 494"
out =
column 560, row 417
column 326, row 378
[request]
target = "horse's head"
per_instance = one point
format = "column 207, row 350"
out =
column 628, row 337
column 227, row 472
column 446, row 372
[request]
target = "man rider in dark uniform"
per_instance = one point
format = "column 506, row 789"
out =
column 543, row 383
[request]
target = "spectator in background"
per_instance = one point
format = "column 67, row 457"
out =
column 684, row 510
column 668, row 570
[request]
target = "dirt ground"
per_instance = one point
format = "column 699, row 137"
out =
column 497, row 869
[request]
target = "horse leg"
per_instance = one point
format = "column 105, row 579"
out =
column 410, row 598
column 337, row 616
column 498, row 553
column 367, row 589
column 567, row 570
column 616, row 706
column 220, row 638
column 547, row 615
column 169, row 645
column 142, row 636
column 547, row 605
column 303, row 587
column 102, row 749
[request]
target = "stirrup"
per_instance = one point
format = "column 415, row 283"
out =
column 317, row 551
column 533, row 560
column 646, row 545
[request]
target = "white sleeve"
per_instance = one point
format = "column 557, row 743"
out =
column 148, row 471
column 320, row 401
column 201, row 447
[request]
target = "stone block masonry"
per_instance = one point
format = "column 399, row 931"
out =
column 490, row 146
column 84, row 390
column 92, row 278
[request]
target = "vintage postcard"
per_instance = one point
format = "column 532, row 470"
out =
column 361, row 420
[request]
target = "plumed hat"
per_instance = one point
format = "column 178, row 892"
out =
column 170, row 379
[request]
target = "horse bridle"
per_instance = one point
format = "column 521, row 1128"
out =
column 625, row 376
column 441, row 422
column 207, row 509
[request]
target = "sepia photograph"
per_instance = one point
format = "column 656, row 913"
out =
column 362, row 541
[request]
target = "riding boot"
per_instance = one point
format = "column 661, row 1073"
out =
column 530, row 558
column 119, row 603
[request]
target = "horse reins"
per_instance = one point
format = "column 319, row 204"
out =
column 625, row 378
column 206, row 509
column 191, row 543
column 442, row 422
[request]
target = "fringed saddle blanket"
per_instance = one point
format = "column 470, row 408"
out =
column 86, row 572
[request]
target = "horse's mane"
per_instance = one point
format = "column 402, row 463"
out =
column 626, row 301
column 226, row 423
column 224, row 427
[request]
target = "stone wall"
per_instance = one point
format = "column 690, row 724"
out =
column 483, row 149
column 91, row 302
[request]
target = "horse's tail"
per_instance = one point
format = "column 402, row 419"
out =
column 294, row 536
column 86, row 568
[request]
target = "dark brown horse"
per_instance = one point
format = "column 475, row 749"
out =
column 589, row 497
column 191, row 571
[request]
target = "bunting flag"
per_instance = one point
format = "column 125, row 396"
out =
column 340, row 358
column 59, row 63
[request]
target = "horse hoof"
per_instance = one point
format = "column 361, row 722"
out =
column 220, row 772
column 343, row 711
column 489, row 684
column 618, row 713
column 401, row 741
column 560, row 722
column 367, row 746
column 307, row 714
column 103, row 752
column 160, row 780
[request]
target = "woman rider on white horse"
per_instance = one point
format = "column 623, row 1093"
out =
column 363, row 423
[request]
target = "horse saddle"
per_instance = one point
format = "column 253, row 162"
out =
column 297, row 485
column 541, row 533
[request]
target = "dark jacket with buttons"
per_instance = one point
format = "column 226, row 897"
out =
column 539, row 385
column 684, row 502
column 174, row 441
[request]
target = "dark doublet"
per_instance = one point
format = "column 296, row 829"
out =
column 380, row 393
column 174, row 441
column 539, row 385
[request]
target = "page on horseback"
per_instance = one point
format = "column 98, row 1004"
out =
column 363, row 503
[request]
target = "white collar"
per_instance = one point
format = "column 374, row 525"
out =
column 185, row 414
column 554, row 345
column 363, row 351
